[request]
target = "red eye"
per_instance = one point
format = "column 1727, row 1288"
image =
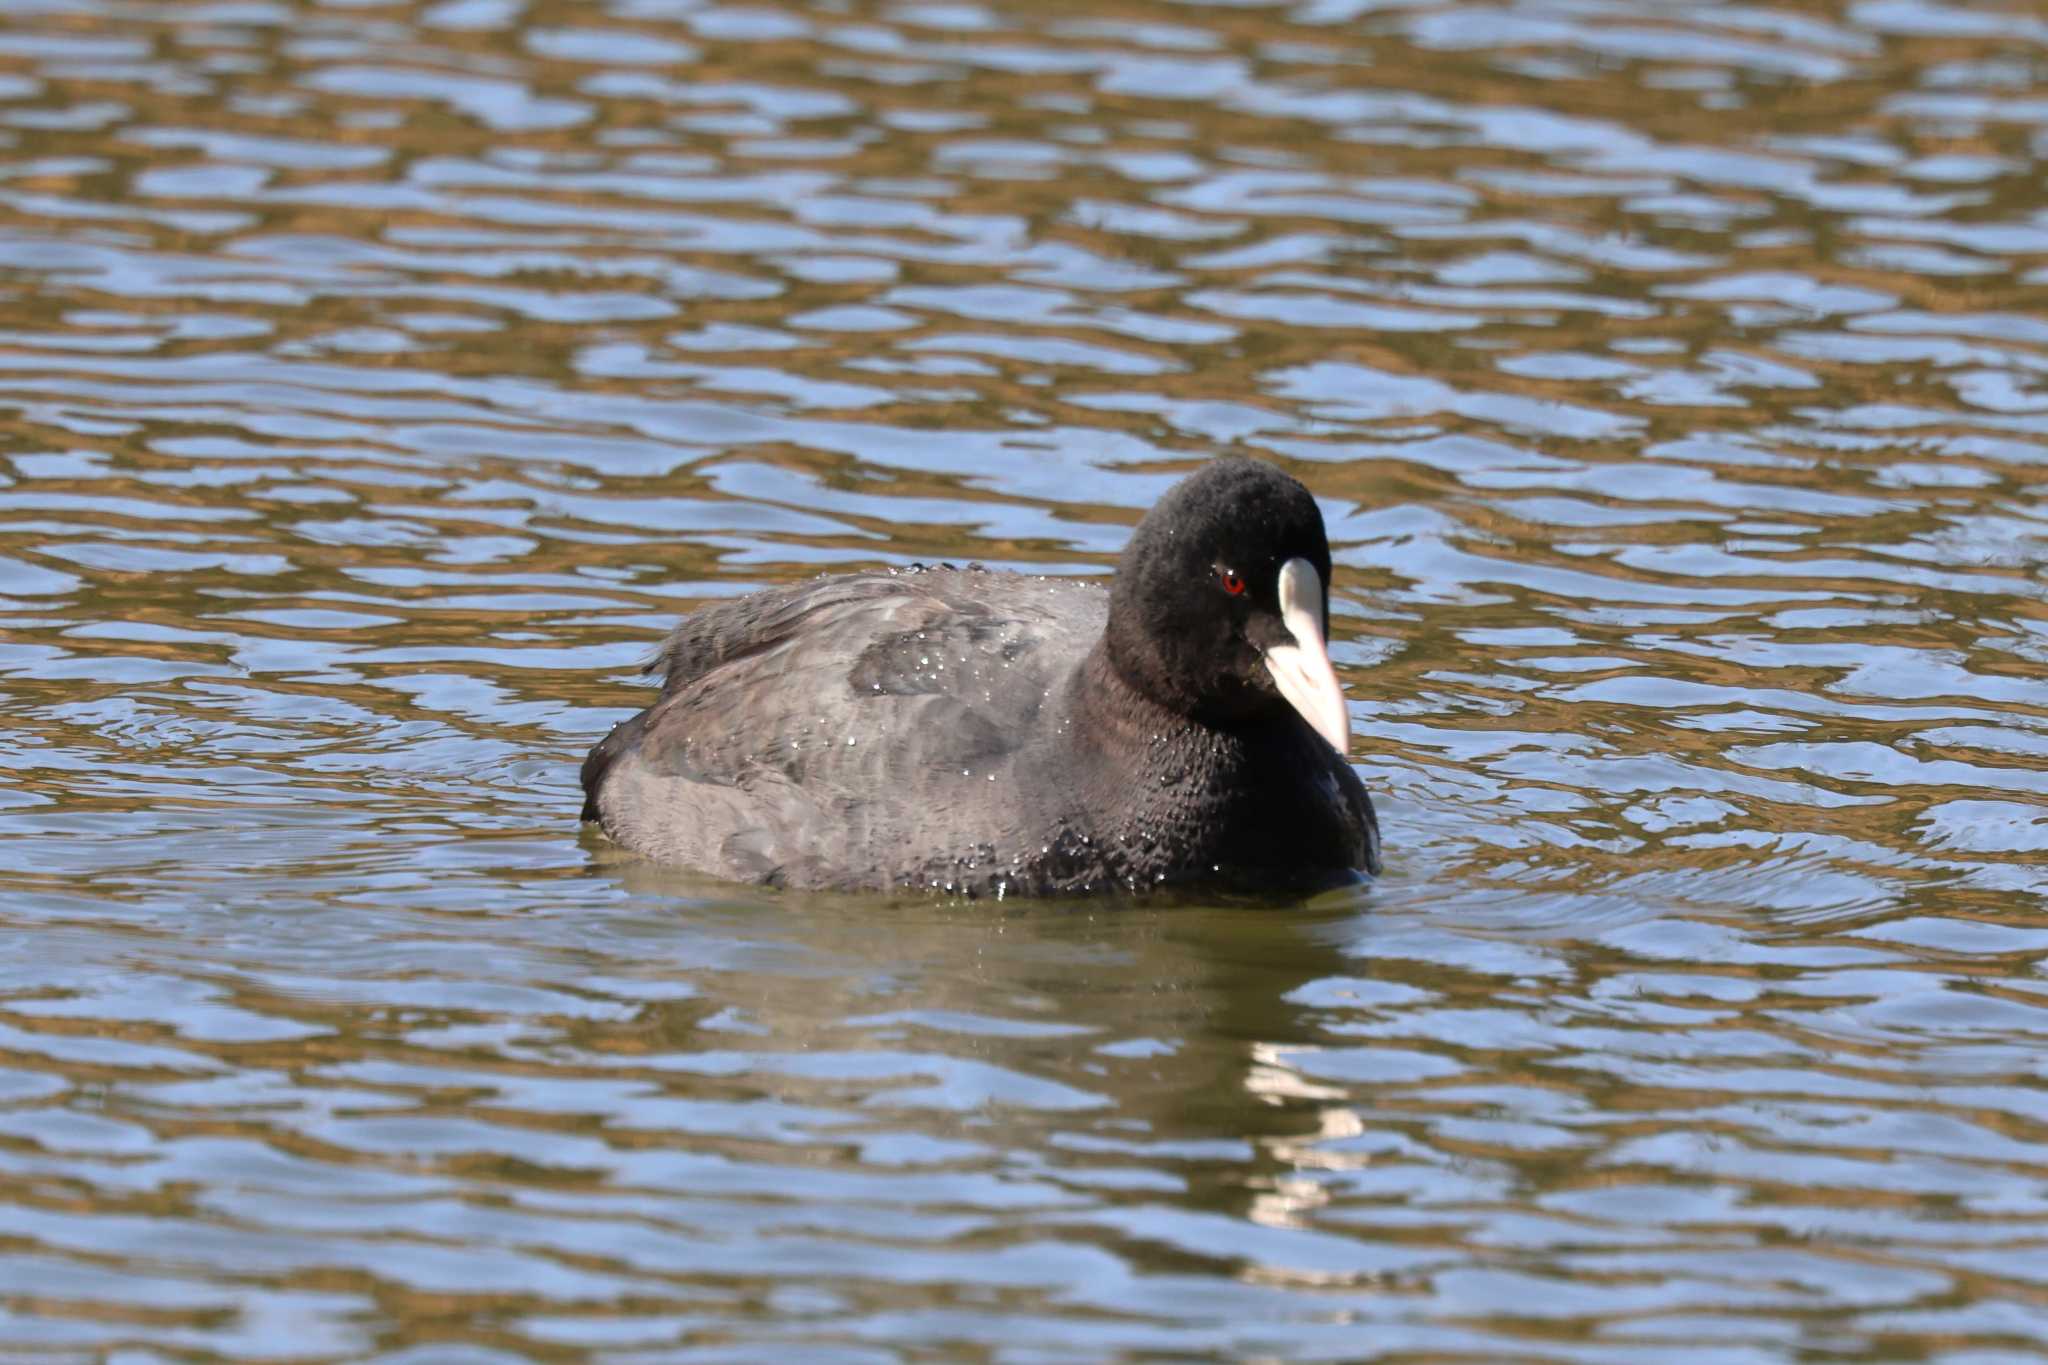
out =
column 1232, row 581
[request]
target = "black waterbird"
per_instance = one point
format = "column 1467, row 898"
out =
column 985, row 733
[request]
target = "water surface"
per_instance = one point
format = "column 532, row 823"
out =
column 378, row 381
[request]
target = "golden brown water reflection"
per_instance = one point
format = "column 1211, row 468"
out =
column 376, row 382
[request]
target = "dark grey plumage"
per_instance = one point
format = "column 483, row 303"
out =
column 989, row 733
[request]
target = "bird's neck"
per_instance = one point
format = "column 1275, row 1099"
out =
column 1127, row 791
column 1125, row 743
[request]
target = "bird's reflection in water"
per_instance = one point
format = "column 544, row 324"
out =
column 1103, row 1053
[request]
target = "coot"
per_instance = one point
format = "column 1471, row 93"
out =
column 984, row 733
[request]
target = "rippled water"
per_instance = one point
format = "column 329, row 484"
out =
column 377, row 382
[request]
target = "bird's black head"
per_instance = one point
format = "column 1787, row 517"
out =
column 1220, row 607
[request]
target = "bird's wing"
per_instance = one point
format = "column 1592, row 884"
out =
column 834, row 724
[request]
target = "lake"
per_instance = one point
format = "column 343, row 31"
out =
column 378, row 382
